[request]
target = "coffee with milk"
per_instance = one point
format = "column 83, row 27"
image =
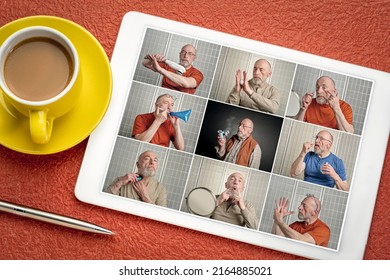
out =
column 38, row 69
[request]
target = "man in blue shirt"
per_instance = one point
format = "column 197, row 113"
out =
column 321, row 166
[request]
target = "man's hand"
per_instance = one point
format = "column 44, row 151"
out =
column 161, row 115
column 329, row 170
column 221, row 140
column 158, row 57
column 224, row 196
column 306, row 147
column 142, row 191
column 237, row 198
column 281, row 210
column 127, row 178
column 238, row 80
column 155, row 65
column 333, row 100
column 246, row 87
column 153, row 62
column 306, row 100
column 174, row 120
column 124, row 180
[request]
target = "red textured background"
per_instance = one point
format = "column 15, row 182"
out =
column 352, row 31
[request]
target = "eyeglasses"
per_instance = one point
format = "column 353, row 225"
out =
column 167, row 95
column 244, row 126
column 320, row 138
column 183, row 53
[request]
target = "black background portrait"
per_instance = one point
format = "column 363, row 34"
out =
column 221, row 116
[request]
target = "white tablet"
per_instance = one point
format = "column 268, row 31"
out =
column 217, row 141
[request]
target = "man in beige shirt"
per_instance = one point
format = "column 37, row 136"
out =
column 231, row 206
column 141, row 185
column 255, row 93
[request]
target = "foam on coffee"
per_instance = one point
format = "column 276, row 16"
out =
column 38, row 69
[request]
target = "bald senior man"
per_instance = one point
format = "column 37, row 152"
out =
column 255, row 93
column 241, row 148
column 231, row 205
column 141, row 185
column 186, row 82
column 309, row 229
column 327, row 109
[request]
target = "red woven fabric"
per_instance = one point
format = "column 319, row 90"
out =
column 352, row 31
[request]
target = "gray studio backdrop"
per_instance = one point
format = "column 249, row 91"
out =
column 332, row 211
column 295, row 133
column 356, row 92
column 156, row 41
column 141, row 100
column 212, row 174
column 172, row 172
column 232, row 59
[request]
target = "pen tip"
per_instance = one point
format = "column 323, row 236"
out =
column 105, row 231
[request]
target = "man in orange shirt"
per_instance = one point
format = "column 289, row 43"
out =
column 310, row 229
column 186, row 82
column 326, row 109
column 159, row 127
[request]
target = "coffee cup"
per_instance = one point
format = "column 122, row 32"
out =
column 39, row 75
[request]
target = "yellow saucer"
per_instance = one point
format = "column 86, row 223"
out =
column 78, row 124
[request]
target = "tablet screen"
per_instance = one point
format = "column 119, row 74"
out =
column 278, row 137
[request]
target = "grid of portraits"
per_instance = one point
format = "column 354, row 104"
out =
column 278, row 134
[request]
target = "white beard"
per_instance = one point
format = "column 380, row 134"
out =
column 321, row 100
column 240, row 135
column 145, row 172
column 257, row 81
column 185, row 64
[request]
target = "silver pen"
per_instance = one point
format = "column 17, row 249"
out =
column 51, row 218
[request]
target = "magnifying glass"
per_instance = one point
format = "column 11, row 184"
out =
column 201, row 201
